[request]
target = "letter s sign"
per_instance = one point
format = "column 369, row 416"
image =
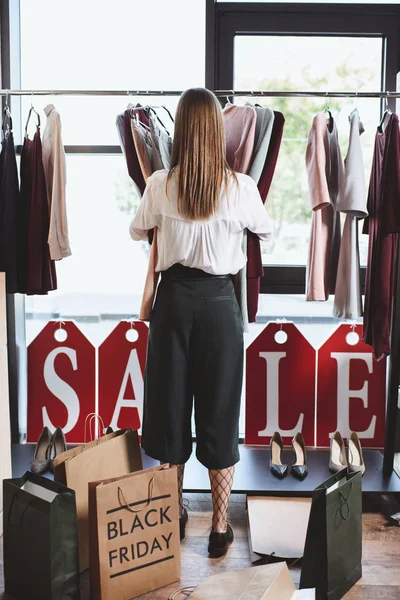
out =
column 61, row 382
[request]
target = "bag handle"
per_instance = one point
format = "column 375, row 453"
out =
column 345, row 504
column 22, row 513
column 91, row 417
column 126, row 505
column 186, row 590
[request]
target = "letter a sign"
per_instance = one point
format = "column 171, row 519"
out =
column 61, row 381
column 351, row 389
column 122, row 360
column 280, row 385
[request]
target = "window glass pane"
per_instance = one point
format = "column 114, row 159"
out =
column 102, row 282
column 351, row 64
column 97, row 46
column 90, row 120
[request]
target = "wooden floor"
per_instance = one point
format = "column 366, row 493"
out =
column 381, row 551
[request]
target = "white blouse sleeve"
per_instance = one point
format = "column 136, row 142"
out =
column 145, row 218
column 258, row 220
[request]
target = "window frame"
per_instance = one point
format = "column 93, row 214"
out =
column 226, row 20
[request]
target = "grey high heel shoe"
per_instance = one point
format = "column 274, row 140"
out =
column 58, row 445
column 41, row 458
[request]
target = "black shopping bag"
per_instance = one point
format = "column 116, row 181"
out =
column 333, row 548
column 41, row 559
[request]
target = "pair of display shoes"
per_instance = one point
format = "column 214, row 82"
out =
column 299, row 468
column 47, row 448
column 354, row 460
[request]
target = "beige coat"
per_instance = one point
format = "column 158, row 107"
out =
column 55, row 174
column 325, row 179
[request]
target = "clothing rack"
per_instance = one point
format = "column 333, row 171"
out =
column 383, row 480
column 219, row 93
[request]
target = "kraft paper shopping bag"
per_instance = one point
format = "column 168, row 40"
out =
column 150, row 285
column 112, row 455
column 267, row 582
column 134, row 534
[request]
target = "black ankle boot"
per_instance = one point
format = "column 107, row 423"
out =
column 220, row 542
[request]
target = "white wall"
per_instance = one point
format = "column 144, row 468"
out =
column 5, row 440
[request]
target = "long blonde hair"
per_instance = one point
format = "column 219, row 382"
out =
column 199, row 154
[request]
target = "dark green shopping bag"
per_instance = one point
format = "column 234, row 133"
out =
column 333, row 548
column 40, row 539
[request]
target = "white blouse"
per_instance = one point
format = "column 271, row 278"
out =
column 213, row 245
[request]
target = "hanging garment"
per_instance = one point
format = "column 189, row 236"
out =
column 264, row 124
column 240, row 128
column 267, row 175
column 254, row 258
column 131, row 157
column 383, row 227
column 351, row 202
column 9, row 198
column 325, row 179
column 119, row 122
column 55, row 172
column 40, row 269
column 162, row 143
column 143, row 146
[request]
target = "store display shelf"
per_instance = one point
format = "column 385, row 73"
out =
column 252, row 474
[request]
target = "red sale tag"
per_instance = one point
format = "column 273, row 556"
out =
column 122, row 361
column 61, row 381
column 351, row 389
column 280, row 385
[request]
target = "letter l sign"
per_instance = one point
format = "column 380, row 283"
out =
column 272, row 397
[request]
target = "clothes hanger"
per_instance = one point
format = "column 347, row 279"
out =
column 169, row 114
column 31, row 110
column 6, row 115
column 329, row 121
column 385, row 115
column 6, row 126
column 151, row 109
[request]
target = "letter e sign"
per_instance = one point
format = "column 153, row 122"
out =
column 61, row 381
column 351, row 389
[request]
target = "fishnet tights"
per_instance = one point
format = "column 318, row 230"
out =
column 180, row 471
column 221, row 486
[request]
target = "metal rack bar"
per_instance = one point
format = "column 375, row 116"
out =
column 246, row 93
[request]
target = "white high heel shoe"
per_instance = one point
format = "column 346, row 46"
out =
column 356, row 459
column 337, row 459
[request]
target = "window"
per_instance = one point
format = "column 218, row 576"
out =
column 93, row 46
column 347, row 63
column 90, row 46
column 302, row 47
